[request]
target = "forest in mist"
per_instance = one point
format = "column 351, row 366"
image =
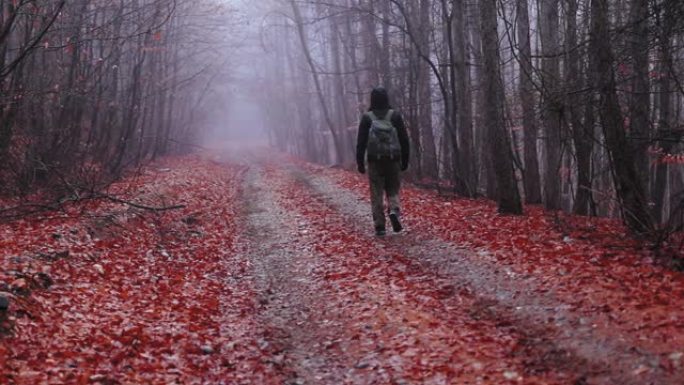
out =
column 198, row 192
column 91, row 88
column 573, row 104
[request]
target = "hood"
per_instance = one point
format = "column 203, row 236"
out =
column 379, row 100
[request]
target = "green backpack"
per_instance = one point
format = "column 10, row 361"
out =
column 383, row 140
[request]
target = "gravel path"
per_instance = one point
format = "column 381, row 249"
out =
column 340, row 308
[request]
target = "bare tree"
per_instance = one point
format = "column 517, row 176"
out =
column 425, row 92
column 552, row 108
column 507, row 186
column 639, row 103
column 629, row 188
column 532, row 179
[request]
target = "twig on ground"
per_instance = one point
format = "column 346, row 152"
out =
column 27, row 209
column 138, row 205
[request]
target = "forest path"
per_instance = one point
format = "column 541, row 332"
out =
column 340, row 309
column 346, row 307
column 269, row 273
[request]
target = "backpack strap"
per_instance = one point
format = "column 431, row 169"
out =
column 372, row 115
column 388, row 117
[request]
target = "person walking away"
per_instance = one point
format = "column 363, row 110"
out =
column 383, row 141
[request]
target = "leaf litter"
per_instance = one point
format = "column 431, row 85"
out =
column 591, row 264
column 105, row 294
column 137, row 297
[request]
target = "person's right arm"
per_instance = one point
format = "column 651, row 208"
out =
column 362, row 142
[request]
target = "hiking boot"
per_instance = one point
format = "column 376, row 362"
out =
column 396, row 225
column 380, row 231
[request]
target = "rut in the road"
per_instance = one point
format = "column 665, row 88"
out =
column 290, row 297
column 346, row 310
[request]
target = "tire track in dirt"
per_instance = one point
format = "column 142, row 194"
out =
column 286, row 289
column 553, row 337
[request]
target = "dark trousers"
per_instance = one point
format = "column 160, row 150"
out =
column 384, row 181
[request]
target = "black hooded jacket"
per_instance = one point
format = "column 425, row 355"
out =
column 380, row 106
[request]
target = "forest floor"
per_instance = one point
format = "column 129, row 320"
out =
column 271, row 274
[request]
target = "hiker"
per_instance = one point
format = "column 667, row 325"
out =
column 383, row 141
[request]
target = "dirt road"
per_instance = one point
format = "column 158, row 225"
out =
column 269, row 272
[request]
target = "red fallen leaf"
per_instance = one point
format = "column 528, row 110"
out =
column 640, row 370
column 100, row 270
column 19, row 284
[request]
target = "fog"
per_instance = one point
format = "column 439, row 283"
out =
column 234, row 109
column 235, row 114
column 118, row 83
column 279, row 90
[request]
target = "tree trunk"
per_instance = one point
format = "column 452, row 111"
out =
column 462, row 100
column 351, row 48
column 341, row 105
column 459, row 177
column 551, row 103
column 667, row 136
column 385, row 60
column 314, row 73
column 531, row 177
column 639, row 102
column 372, row 46
column 486, row 169
column 507, row 186
column 582, row 132
column 627, row 183
column 427, row 137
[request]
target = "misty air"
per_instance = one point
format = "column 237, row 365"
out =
column 304, row 192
